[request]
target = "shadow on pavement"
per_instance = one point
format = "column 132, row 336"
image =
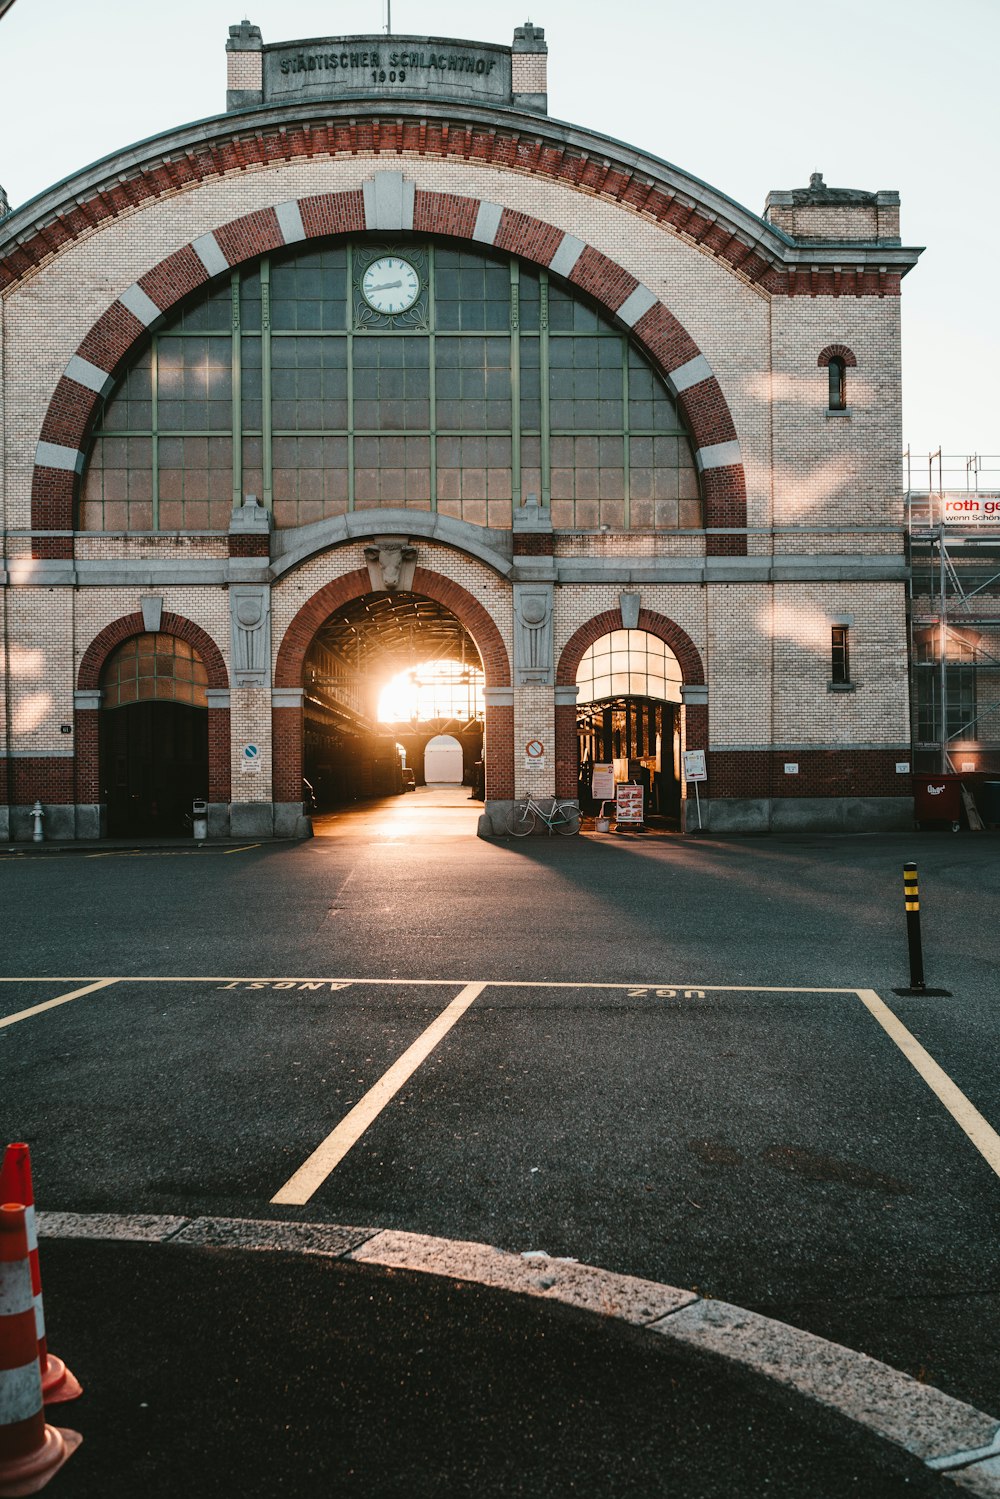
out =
column 221, row 1372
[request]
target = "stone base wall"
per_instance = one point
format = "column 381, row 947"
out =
column 73, row 822
column 801, row 814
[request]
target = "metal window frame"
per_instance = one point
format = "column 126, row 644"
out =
column 239, row 330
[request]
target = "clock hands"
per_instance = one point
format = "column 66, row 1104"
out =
column 386, row 286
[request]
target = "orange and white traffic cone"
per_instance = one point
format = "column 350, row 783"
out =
column 15, row 1186
column 30, row 1450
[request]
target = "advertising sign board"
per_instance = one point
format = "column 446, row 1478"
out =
column 979, row 508
column 629, row 805
column 694, row 765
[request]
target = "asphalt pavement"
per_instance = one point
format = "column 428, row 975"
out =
column 221, row 1372
column 674, row 1058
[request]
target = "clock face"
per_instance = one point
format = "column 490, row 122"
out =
column 390, row 285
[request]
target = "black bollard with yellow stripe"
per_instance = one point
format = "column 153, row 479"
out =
column 911, row 898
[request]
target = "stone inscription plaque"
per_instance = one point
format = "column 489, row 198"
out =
column 342, row 67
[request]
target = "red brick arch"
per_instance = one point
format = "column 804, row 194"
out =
column 112, row 341
column 89, row 679
column 354, row 585
column 692, row 674
column 120, row 630
column 837, row 351
column 287, row 721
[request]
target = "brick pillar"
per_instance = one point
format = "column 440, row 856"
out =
column 498, row 744
column 287, row 747
column 695, row 723
column 244, row 67
column 219, row 753
column 566, row 753
column 529, row 68
column 86, row 737
column 695, row 700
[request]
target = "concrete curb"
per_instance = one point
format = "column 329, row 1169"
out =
column 948, row 1436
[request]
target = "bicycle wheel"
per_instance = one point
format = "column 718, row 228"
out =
column 521, row 821
column 565, row 820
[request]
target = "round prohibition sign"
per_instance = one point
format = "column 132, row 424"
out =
column 534, row 749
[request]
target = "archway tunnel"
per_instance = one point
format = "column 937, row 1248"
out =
column 393, row 699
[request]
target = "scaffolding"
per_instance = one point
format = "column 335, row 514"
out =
column 953, row 542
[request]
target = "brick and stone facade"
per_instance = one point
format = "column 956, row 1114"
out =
column 801, row 511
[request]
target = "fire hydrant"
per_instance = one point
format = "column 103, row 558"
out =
column 37, row 836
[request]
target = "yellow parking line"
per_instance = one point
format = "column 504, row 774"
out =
column 167, row 853
column 968, row 1118
column 50, row 1004
column 314, row 1171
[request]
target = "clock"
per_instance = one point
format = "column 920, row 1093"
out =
column 390, row 285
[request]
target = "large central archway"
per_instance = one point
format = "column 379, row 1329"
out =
column 345, row 603
column 387, row 677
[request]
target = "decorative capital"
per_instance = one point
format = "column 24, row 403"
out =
column 250, row 518
column 531, row 516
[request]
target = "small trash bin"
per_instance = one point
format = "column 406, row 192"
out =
column 938, row 799
column 199, row 818
column 988, row 802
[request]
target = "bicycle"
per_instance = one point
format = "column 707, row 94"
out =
column 524, row 817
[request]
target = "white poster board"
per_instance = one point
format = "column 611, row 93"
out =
column 602, row 781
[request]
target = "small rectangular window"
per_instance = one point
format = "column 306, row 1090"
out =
column 840, row 654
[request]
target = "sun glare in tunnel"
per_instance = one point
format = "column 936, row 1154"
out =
column 432, row 690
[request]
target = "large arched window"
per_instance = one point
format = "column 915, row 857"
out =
column 300, row 379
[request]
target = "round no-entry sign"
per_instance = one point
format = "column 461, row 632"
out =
column 534, row 755
column 251, row 759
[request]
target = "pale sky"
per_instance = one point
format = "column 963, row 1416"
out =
column 748, row 97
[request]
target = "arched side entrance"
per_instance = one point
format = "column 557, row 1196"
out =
column 87, row 714
column 692, row 674
column 629, row 714
column 287, row 721
column 154, row 736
